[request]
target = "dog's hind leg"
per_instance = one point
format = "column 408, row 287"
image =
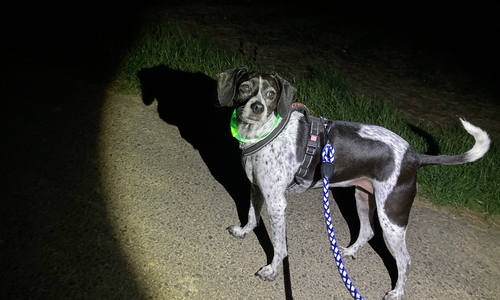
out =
column 365, row 205
column 256, row 202
column 396, row 241
column 276, row 212
column 393, row 215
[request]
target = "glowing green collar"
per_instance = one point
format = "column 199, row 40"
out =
column 236, row 135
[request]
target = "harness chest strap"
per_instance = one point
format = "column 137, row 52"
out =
column 316, row 126
column 313, row 143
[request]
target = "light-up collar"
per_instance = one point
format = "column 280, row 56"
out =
column 236, row 135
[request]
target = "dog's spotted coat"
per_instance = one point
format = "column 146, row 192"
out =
column 381, row 164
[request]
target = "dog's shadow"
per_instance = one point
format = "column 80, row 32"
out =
column 188, row 101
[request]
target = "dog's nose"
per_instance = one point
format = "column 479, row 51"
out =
column 257, row 108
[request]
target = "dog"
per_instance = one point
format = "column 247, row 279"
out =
column 380, row 164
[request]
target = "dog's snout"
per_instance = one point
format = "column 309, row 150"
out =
column 257, row 108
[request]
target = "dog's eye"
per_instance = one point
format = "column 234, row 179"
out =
column 244, row 88
column 271, row 95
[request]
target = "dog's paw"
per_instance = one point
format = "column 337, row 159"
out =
column 348, row 252
column 267, row 273
column 393, row 295
column 237, row 231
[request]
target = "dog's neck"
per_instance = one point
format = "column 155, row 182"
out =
column 263, row 135
column 252, row 133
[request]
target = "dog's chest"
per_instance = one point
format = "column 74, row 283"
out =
column 276, row 163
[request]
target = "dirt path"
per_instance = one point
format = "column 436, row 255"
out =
column 170, row 203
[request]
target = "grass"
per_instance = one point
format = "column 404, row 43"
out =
column 163, row 45
column 474, row 186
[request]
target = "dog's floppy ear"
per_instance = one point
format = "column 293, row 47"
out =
column 226, row 85
column 286, row 96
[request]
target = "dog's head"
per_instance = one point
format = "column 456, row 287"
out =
column 257, row 97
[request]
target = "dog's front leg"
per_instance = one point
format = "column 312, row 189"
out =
column 256, row 201
column 276, row 211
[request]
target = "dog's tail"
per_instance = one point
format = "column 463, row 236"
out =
column 480, row 148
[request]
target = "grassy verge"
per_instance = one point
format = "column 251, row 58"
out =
column 164, row 45
column 474, row 186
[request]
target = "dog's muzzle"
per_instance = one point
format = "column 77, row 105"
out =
column 257, row 108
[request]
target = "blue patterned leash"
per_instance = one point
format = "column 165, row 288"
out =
column 327, row 168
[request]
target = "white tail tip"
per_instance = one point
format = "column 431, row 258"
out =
column 482, row 144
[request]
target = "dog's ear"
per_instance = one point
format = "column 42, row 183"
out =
column 286, row 97
column 226, row 85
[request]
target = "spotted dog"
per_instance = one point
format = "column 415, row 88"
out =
column 380, row 164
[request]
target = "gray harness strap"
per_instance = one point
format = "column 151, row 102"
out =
column 316, row 127
column 313, row 143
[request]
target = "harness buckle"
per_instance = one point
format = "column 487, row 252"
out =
column 312, row 144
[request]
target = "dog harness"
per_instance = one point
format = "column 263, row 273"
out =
column 316, row 129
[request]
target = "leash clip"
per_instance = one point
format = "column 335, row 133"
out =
column 328, row 155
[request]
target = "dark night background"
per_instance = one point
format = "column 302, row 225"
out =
column 52, row 55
